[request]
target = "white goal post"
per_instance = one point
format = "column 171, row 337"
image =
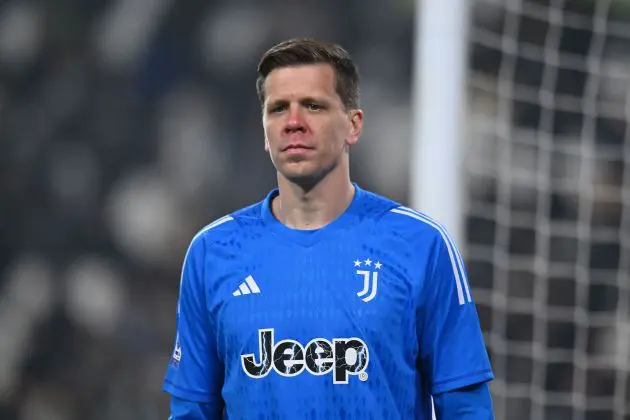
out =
column 439, row 107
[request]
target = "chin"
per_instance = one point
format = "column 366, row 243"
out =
column 304, row 172
column 302, row 178
column 301, row 174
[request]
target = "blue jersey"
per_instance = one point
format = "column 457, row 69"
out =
column 365, row 318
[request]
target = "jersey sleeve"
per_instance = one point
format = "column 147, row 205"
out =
column 194, row 372
column 452, row 350
column 469, row 403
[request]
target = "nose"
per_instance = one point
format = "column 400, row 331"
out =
column 295, row 120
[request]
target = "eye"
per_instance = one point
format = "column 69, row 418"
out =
column 276, row 108
column 314, row 107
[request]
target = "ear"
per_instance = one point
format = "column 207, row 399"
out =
column 264, row 127
column 356, row 126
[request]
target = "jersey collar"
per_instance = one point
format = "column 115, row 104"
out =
column 311, row 237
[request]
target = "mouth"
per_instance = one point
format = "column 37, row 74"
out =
column 296, row 147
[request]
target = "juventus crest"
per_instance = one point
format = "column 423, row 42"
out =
column 369, row 273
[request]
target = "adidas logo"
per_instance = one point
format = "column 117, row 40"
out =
column 247, row 287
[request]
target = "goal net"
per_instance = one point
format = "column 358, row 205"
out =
column 548, row 204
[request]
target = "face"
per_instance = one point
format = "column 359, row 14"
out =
column 307, row 129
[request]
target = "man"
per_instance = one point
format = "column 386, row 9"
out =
column 324, row 301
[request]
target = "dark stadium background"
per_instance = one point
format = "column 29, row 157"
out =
column 126, row 126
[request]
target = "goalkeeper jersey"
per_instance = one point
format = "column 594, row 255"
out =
column 365, row 318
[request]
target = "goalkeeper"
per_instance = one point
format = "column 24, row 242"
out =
column 324, row 300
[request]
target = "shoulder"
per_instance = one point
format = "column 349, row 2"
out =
column 228, row 227
column 391, row 219
column 418, row 233
column 394, row 218
column 414, row 224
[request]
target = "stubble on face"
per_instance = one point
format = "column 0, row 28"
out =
column 306, row 124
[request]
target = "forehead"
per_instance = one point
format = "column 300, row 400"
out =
column 303, row 80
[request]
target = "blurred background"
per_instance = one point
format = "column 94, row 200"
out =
column 127, row 125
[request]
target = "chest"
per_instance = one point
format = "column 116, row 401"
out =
column 348, row 288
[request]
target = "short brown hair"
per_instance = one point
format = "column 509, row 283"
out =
column 298, row 51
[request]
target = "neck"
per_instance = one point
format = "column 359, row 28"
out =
column 315, row 206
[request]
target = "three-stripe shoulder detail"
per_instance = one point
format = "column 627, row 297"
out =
column 205, row 229
column 212, row 225
column 457, row 263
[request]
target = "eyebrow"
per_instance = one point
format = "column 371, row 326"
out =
column 315, row 99
column 308, row 99
column 276, row 102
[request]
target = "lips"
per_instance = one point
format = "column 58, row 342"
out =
column 296, row 147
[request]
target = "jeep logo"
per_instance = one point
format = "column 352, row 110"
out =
column 344, row 357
